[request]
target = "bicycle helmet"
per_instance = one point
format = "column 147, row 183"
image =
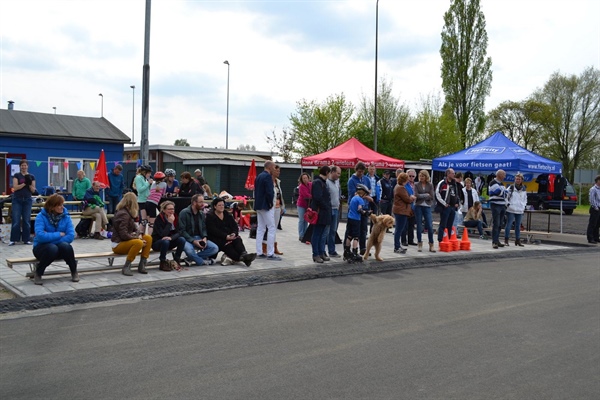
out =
column 170, row 172
column 362, row 187
column 159, row 175
column 146, row 168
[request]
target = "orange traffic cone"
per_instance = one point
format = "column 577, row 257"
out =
column 445, row 243
column 465, row 243
column 454, row 243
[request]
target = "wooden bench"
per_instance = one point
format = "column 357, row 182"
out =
column 32, row 261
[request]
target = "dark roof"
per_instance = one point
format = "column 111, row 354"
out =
column 55, row 126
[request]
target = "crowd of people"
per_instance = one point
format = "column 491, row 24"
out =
column 143, row 221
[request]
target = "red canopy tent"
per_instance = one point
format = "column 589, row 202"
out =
column 347, row 154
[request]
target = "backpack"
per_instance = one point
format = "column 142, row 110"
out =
column 83, row 227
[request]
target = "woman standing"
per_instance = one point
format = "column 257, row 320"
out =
column 142, row 184
column 54, row 233
column 172, row 183
column 127, row 237
column 165, row 236
column 401, row 209
column 304, row 189
column 424, row 193
column 223, row 231
column 279, row 208
column 23, row 186
column 517, row 201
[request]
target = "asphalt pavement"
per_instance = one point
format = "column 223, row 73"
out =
column 498, row 328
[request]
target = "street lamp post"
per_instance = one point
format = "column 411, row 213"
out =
column 101, row 105
column 133, row 116
column 54, row 108
column 375, row 106
column 227, row 120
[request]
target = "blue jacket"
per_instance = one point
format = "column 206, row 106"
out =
column 46, row 232
column 353, row 181
column 264, row 191
column 117, row 184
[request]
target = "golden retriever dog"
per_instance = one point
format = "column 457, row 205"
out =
column 380, row 224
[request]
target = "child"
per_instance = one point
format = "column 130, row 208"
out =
column 157, row 191
column 356, row 208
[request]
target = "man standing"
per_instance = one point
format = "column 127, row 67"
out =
column 446, row 195
column 497, row 193
column 594, row 223
column 321, row 203
column 387, row 193
column 264, row 204
column 359, row 178
column 117, row 185
column 335, row 193
column 80, row 185
column 192, row 226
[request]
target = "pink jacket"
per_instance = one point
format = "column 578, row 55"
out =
column 304, row 195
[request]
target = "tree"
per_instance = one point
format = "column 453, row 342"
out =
column 466, row 70
column 573, row 134
column 319, row 127
column 522, row 122
column 181, row 142
column 246, row 147
column 283, row 144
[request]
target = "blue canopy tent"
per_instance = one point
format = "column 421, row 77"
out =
column 497, row 152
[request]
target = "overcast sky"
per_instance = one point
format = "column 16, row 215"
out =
column 64, row 53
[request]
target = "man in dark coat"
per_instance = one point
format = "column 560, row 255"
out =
column 321, row 203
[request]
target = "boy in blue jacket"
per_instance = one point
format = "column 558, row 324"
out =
column 356, row 209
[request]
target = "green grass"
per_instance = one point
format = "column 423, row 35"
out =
column 582, row 209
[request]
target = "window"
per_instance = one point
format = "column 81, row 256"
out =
column 63, row 169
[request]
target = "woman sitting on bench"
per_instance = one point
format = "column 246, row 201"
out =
column 128, row 238
column 165, row 237
column 474, row 219
column 54, row 233
column 223, row 231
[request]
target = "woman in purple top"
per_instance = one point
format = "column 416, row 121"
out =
column 304, row 196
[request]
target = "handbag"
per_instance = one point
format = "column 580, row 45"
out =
column 311, row 216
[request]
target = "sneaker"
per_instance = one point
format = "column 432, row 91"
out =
column 334, row 255
column 400, row 251
column 29, row 242
column 261, row 256
column 209, row 261
column 324, row 257
column 483, row 237
column 274, row 258
column 318, row 259
column 11, row 243
column 495, row 245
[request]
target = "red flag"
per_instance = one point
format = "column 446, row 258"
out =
column 251, row 176
column 101, row 172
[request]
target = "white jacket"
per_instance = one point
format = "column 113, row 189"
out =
column 517, row 199
column 464, row 207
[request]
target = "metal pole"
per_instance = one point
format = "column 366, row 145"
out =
column 101, row 105
column 376, row 46
column 227, row 120
column 133, row 116
column 54, row 110
column 144, row 153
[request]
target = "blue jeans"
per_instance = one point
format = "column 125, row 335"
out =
column 474, row 224
column 330, row 232
column 112, row 204
column 318, row 240
column 47, row 253
column 420, row 213
column 446, row 221
column 302, row 224
column 197, row 255
column 498, row 212
column 401, row 221
column 165, row 245
column 510, row 217
column 21, row 212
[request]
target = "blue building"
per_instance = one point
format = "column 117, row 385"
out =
column 55, row 146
